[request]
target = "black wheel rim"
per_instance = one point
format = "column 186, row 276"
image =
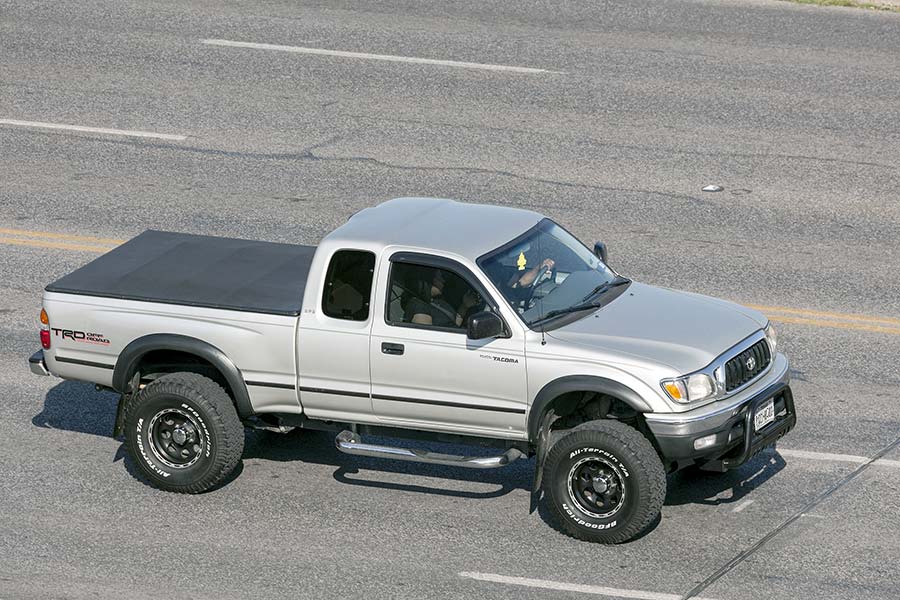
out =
column 176, row 438
column 597, row 487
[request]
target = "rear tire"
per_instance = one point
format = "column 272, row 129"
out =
column 183, row 433
column 604, row 482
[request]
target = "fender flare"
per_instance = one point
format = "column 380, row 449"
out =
column 579, row 383
column 136, row 349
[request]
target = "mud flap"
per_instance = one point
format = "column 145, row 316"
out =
column 119, row 425
column 543, row 446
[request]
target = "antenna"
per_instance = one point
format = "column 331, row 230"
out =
column 540, row 274
column 541, row 317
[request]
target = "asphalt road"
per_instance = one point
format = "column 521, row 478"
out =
column 632, row 108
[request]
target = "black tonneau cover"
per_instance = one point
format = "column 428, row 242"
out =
column 197, row 270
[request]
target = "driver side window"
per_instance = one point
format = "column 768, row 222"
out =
column 430, row 297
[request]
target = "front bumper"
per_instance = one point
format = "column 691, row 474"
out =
column 37, row 364
column 736, row 441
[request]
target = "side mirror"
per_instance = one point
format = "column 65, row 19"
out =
column 600, row 251
column 484, row 325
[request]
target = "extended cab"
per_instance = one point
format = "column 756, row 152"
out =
column 428, row 319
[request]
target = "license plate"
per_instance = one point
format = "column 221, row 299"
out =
column 765, row 414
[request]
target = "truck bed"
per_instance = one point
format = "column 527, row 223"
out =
column 197, row 270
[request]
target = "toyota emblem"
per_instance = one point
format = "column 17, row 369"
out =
column 751, row 363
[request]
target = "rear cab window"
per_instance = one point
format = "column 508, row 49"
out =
column 348, row 285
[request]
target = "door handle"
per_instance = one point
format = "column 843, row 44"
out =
column 388, row 348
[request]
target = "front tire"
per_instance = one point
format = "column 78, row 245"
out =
column 183, row 434
column 604, row 482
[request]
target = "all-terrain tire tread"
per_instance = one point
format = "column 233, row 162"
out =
column 209, row 394
column 652, row 477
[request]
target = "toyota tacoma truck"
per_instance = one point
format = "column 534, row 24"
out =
column 486, row 327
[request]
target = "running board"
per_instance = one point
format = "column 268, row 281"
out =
column 350, row 443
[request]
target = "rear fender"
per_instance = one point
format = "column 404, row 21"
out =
column 131, row 356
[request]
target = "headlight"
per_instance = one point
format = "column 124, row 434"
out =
column 772, row 337
column 691, row 388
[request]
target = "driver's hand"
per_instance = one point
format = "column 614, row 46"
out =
column 548, row 262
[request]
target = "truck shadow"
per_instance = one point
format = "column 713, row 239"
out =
column 78, row 407
column 318, row 448
column 693, row 486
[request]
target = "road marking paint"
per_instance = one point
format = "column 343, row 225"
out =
column 818, row 318
column 742, row 506
column 58, row 245
column 825, row 456
column 103, row 130
column 836, row 324
column 96, row 244
column 59, row 236
column 831, row 315
column 561, row 586
column 385, row 57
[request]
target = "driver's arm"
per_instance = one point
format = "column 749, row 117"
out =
column 529, row 276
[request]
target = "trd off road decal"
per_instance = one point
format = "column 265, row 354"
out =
column 81, row 336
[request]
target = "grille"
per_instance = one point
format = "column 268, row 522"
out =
column 737, row 373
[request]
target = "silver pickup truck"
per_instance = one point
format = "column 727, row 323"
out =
column 422, row 319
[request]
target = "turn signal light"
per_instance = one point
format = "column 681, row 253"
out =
column 675, row 389
column 45, row 330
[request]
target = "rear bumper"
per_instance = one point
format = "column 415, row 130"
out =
column 736, row 440
column 37, row 364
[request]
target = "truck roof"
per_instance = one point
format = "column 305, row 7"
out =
column 468, row 230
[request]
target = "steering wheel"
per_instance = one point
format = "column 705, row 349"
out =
column 536, row 283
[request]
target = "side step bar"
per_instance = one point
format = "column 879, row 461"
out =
column 350, row 443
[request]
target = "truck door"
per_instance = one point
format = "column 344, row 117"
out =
column 425, row 371
column 333, row 341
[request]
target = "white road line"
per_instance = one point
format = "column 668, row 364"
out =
column 881, row 462
column 103, row 130
column 561, row 586
column 387, row 57
column 742, row 505
column 822, row 456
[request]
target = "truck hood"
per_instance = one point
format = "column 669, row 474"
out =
column 682, row 330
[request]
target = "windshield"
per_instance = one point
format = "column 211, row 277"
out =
column 546, row 271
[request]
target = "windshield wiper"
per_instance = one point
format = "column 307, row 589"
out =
column 619, row 280
column 583, row 305
column 569, row 309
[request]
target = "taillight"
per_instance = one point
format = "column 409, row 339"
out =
column 45, row 330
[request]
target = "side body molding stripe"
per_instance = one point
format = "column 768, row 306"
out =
column 84, row 363
column 131, row 356
column 579, row 383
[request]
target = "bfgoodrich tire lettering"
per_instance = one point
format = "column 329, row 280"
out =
column 604, row 482
column 182, row 433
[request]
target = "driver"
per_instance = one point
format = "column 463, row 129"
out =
column 513, row 272
column 528, row 278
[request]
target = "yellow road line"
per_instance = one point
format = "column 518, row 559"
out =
column 49, row 244
column 781, row 314
column 59, row 236
column 828, row 315
column 836, row 324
